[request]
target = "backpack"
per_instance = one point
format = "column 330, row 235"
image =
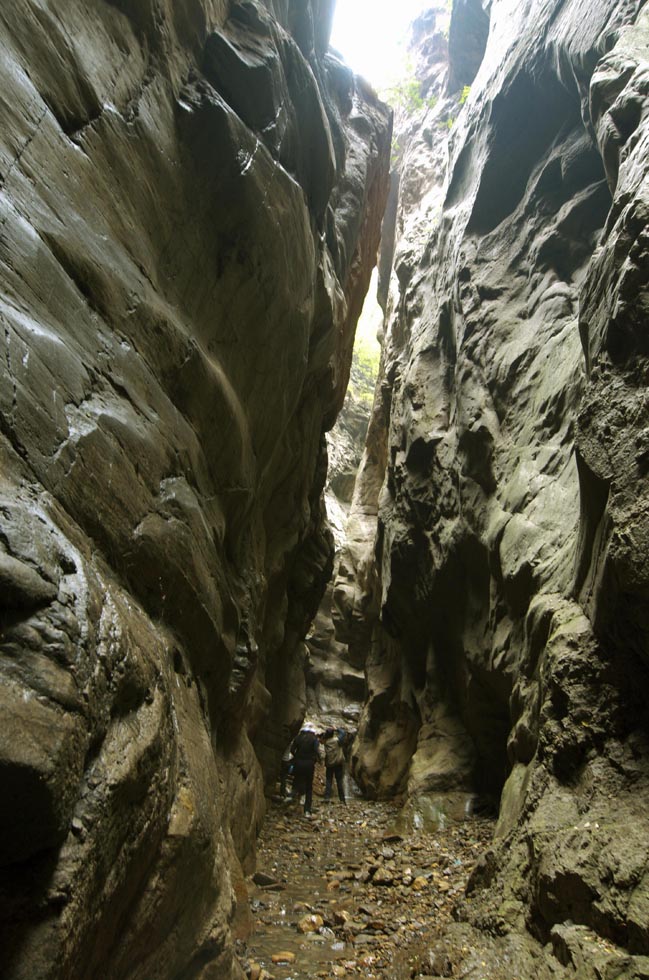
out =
column 305, row 746
column 333, row 752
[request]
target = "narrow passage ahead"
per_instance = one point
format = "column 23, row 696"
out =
column 356, row 891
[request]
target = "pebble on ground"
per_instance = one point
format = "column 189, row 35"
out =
column 347, row 894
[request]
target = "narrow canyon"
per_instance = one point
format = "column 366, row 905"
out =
column 208, row 534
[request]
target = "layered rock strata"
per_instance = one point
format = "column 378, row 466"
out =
column 496, row 578
column 190, row 199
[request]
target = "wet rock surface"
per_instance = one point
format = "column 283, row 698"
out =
column 495, row 580
column 358, row 892
column 334, row 680
column 190, row 205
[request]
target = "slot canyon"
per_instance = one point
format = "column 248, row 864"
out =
column 215, row 523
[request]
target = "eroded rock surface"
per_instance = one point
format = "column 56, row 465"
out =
column 496, row 576
column 335, row 684
column 190, row 198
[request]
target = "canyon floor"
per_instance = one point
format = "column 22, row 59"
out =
column 357, row 890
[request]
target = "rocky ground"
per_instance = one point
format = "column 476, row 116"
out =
column 355, row 891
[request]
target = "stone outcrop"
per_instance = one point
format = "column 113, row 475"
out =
column 190, row 203
column 495, row 581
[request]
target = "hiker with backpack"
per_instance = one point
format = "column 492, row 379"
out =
column 334, row 762
column 306, row 752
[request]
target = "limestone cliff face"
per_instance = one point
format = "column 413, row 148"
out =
column 190, row 199
column 504, row 486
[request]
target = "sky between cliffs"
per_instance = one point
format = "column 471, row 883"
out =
column 371, row 35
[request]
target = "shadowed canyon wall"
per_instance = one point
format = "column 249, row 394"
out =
column 495, row 578
column 190, row 198
column 335, row 685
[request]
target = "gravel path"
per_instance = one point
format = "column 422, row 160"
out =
column 354, row 892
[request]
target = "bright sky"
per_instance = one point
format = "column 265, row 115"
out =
column 371, row 34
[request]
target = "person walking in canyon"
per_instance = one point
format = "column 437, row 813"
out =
column 334, row 761
column 306, row 752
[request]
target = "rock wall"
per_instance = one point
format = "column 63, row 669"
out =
column 496, row 577
column 190, row 198
column 335, row 684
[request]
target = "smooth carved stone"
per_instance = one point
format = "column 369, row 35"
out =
column 191, row 207
column 283, row 957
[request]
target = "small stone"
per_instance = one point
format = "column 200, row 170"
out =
column 382, row 877
column 255, row 971
column 283, row 957
column 77, row 827
column 355, row 927
column 339, row 971
column 369, row 959
column 419, row 883
column 310, row 923
column 262, row 879
column 378, row 925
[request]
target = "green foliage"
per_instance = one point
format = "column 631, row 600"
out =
column 465, row 94
column 365, row 367
column 406, row 95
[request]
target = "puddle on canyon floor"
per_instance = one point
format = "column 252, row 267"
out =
column 348, row 894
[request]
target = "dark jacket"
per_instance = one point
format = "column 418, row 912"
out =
column 305, row 747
